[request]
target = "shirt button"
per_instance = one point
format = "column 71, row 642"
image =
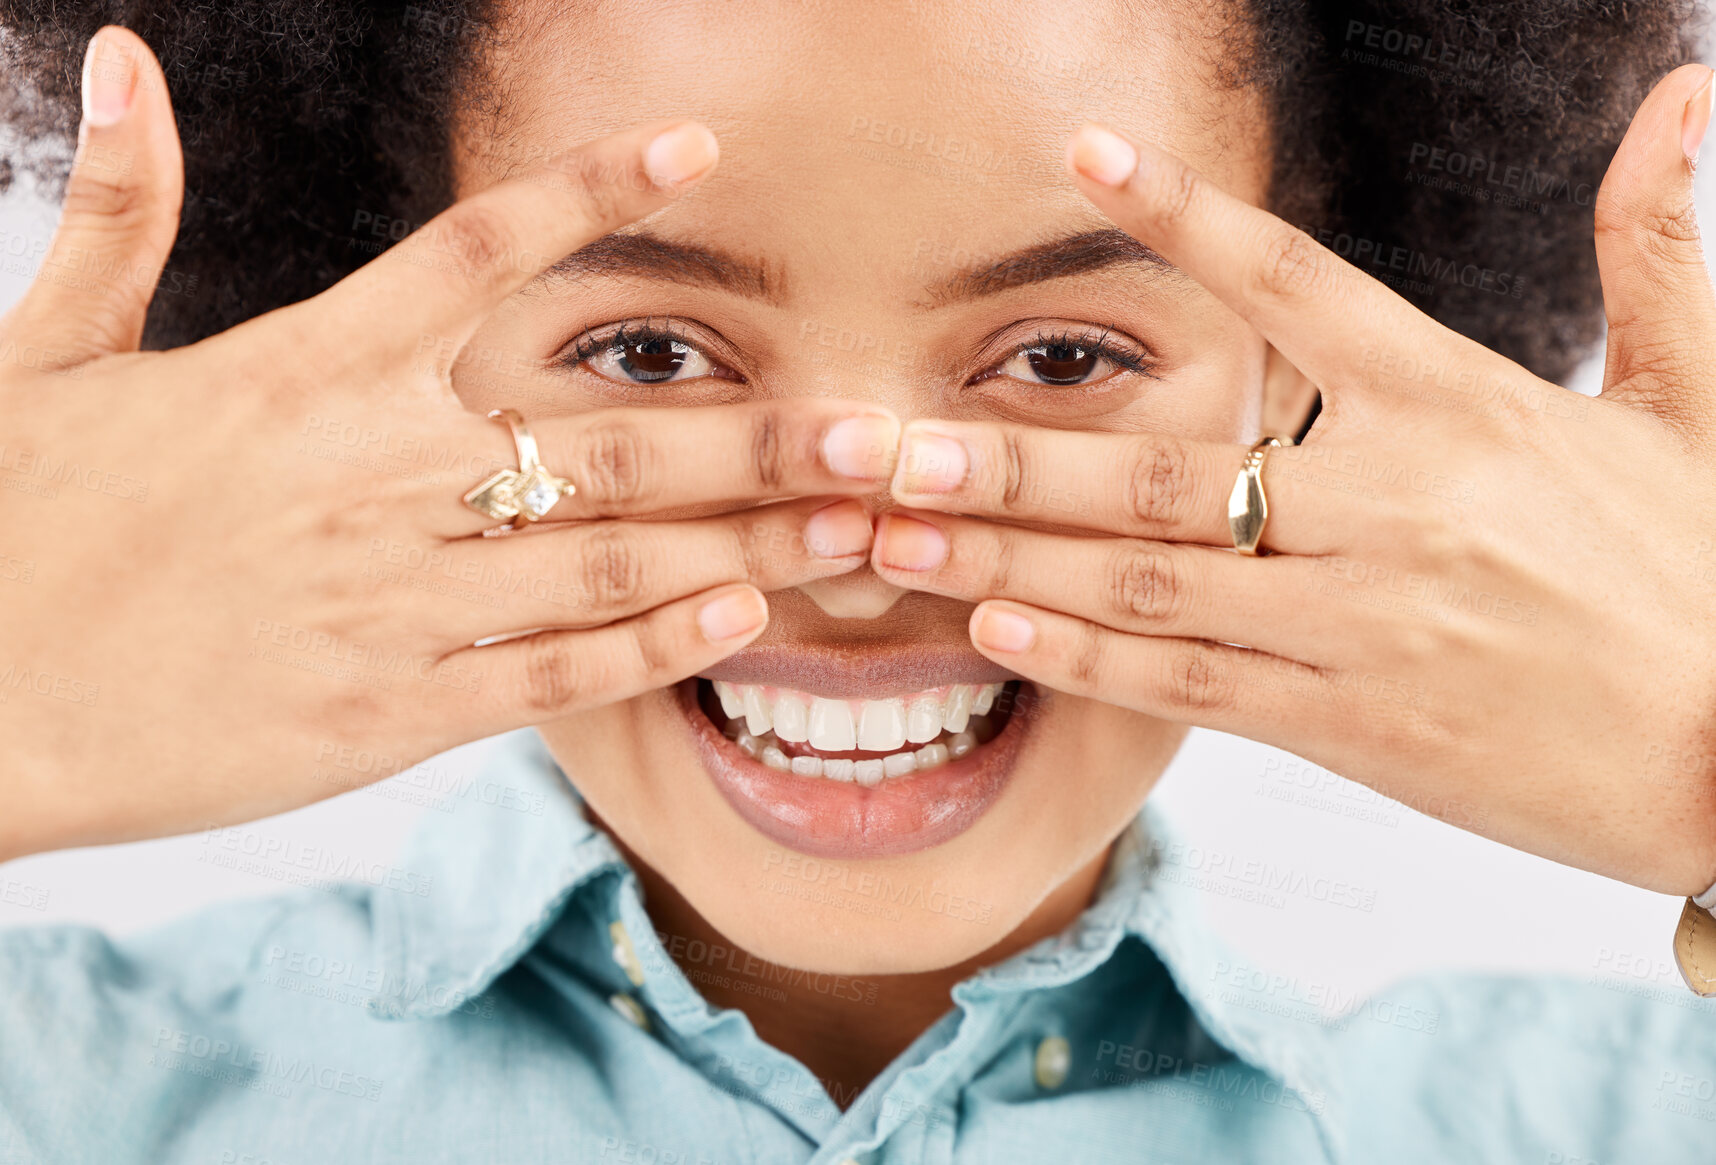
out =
column 624, row 953
column 630, row 1008
column 1054, row 1057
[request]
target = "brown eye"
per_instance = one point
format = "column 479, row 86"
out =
column 1059, row 364
column 649, row 360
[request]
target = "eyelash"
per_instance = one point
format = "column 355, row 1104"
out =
column 590, row 343
column 1097, row 343
column 1094, row 342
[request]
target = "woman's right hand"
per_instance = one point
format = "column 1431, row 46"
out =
column 207, row 608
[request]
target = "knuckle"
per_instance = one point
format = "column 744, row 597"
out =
column 768, row 449
column 1014, row 469
column 474, row 235
column 552, row 680
column 1157, row 482
column 1088, row 661
column 1179, row 198
column 97, row 194
column 1677, row 225
column 1144, row 584
column 652, row 652
column 611, row 567
column 615, row 463
column 1292, row 266
column 1196, row 680
column 599, row 188
column 1001, row 564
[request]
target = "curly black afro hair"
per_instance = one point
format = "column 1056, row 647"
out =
column 1451, row 147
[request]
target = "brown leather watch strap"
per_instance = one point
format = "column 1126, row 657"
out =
column 1695, row 948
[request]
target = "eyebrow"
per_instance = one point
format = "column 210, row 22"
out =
column 1076, row 254
column 652, row 257
column 641, row 254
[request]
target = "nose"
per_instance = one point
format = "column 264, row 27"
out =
column 856, row 362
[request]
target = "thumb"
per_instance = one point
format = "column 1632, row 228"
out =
column 120, row 216
column 1656, row 290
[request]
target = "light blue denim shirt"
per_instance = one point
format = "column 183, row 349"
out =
column 502, row 996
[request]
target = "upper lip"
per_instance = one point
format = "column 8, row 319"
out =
column 856, row 671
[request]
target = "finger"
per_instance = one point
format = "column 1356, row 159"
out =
column 1130, row 584
column 1210, row 685
column 625, row 462
column 442, row 279
column 121, row 211
column 1144, row 485
column 584, row 574
column 1656, row 289
column 1315, row 308
column 538, row 678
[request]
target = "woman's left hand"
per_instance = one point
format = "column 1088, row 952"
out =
column 1486, row 596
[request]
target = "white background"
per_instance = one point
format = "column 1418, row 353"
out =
column 1440, row 898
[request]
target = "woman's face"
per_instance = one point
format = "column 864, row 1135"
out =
column 890, row 221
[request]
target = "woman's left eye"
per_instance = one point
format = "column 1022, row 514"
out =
column 1058, row 364
column 1067, row 362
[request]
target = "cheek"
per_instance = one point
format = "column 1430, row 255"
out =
column 501, row 367
column 1219, row 396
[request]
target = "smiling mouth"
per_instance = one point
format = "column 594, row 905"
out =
column 869, row 777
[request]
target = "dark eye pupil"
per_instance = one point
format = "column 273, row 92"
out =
column 1062, row 363
column 649, row 360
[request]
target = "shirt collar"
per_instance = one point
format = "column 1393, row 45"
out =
column 495, row 872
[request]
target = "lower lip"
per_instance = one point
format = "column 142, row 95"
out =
column 843, row 819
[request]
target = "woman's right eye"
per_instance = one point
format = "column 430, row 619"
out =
column 646, row 356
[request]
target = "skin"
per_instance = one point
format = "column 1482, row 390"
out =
column 839, row 231
column 1536, row 730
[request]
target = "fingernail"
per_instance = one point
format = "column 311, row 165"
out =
column 109, row 81
column 1000, row 630
column 738, row 611
column 680, row 154
column 1696, row 119
column 908, row 544
column 862, row 448
column 1102, row 156
column 931, row 463
column 839, row 531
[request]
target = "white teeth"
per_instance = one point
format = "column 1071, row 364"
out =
column 948, row 723
column 756, row 711
column 985, row 698
column 831, row 726
column 923, row 722
column 732, row 703
column 958, row 708
column 882, row 725
column 791, row 717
